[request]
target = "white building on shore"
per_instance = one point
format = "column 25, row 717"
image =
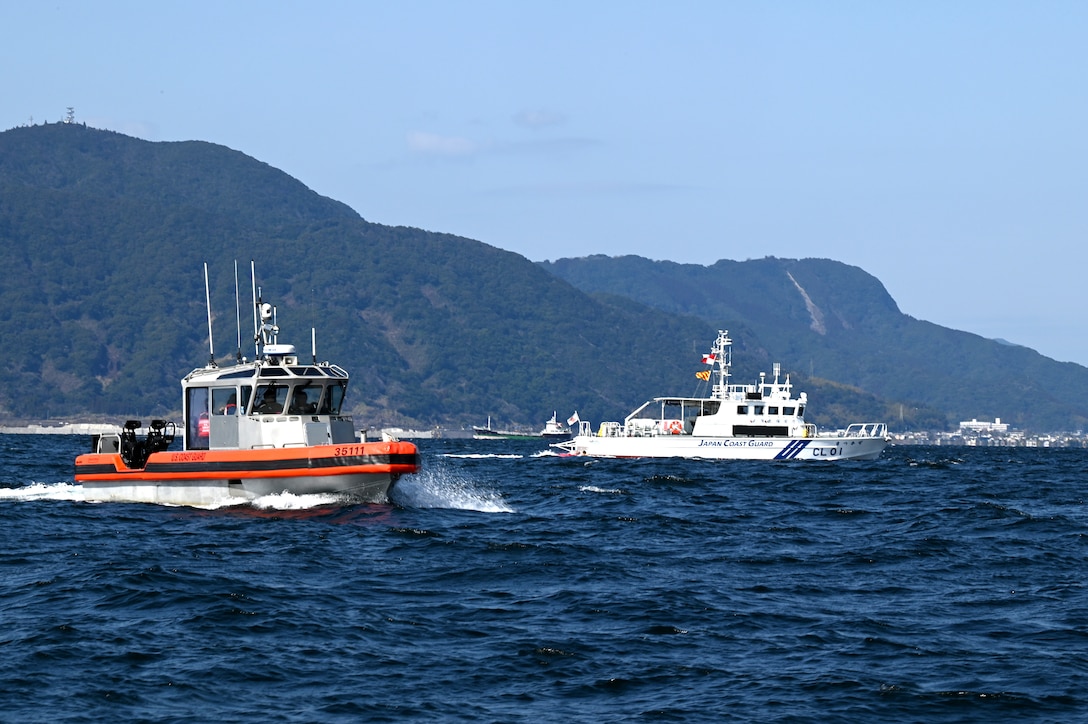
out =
column 991, row 427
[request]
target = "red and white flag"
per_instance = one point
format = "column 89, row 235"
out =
column 573, row 418
column 708, row 359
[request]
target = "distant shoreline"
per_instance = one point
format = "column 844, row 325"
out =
column 64, row 428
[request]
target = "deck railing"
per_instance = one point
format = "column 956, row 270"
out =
column 865, row 429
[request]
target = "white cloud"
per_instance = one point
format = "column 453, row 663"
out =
column 539, row 118
column 436, row 145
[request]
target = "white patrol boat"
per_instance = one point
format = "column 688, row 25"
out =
column 268, row 426
column 761, row 421
column 555, row 430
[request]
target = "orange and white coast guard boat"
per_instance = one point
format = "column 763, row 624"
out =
column 268, row 426
column 761, row 421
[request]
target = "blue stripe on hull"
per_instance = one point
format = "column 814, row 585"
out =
column 792, row 449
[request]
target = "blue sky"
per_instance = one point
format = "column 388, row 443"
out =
column 940, row 146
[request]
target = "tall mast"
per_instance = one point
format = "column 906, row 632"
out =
column 723, row 351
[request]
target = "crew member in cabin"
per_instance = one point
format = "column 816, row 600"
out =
column 268, row 404
column 300, row 403
column 231, row 406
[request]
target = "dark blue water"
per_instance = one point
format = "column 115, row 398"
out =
column 933, row 585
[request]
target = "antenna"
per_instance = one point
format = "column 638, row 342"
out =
column 256, row 336
column 313, row 343
column 237, row 314
column 208, row 304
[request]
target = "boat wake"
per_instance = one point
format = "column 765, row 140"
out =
column 502, row 456
column 595, row 489
column 445, row 489
column 279, row 501
column 43, row 491
column 430, row 489
column 290, row 501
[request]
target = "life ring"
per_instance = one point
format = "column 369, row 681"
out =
column 674, row 427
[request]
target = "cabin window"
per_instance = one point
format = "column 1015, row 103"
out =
column 788, row 410
column 333, row 399
column 801, row 411
column 196, row 434
column 742, row 409
column 758, row 410
column 270, row 399
column 225, row 401
column 772, row 410
column 304, row 400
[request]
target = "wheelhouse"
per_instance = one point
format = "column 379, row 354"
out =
column 256, row 404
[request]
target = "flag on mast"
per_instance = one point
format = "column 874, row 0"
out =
column 708, row 359
column 573, row 419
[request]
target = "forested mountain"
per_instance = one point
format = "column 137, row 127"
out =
column 103, row 238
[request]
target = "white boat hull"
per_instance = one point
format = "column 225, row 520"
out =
column 361, row 471
column 761, row 421
column 201, row 493
column 728, row 448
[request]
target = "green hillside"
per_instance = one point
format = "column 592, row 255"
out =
column 105, row 293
